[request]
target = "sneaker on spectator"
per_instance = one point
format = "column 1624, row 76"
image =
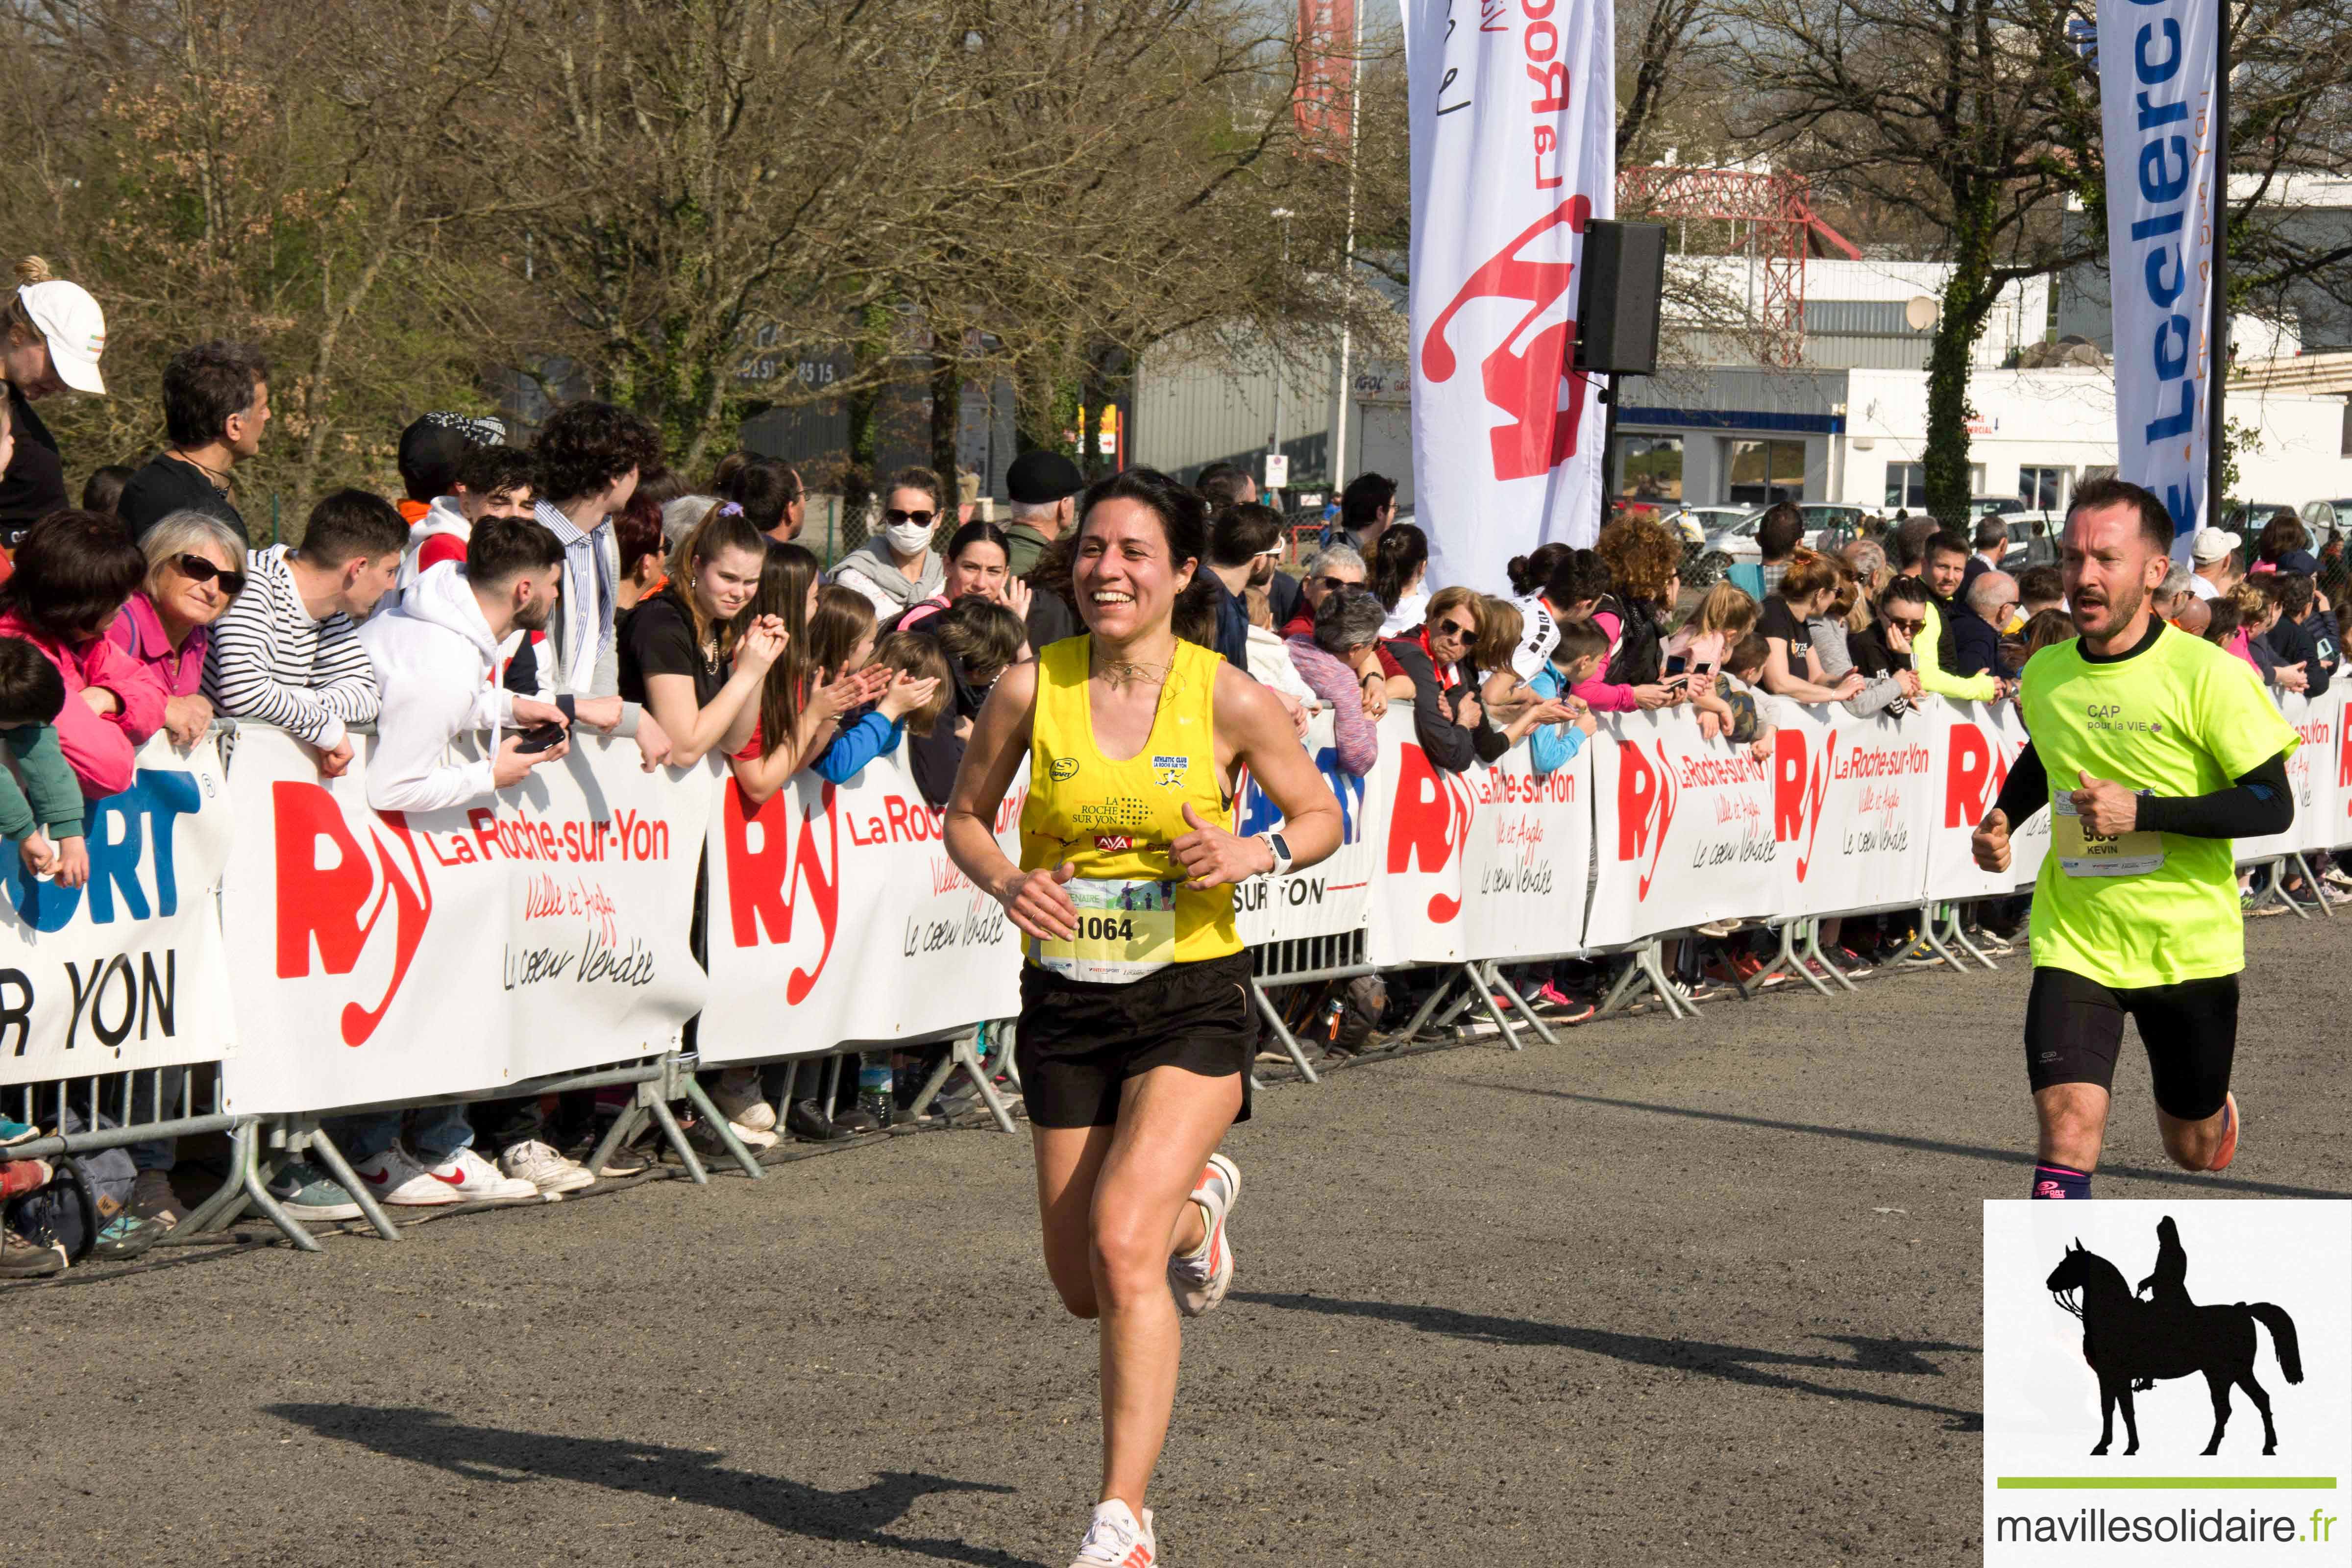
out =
column 126, row 1235
column 15, row 1131
column 857, row 1119
column 754, row 1138
column 1716, row 928
column 311, row 1195
column 473, row 1180
column 1567, row 1009
column 736, row 1095
column 622, row 1161
column 395, row 1177
column 2337, row 877
column 19, row 1177
column 1992, row 945
column 21, row 1260
column 151, row 1197
column 1921, row 957
column 806, row 1119
column 1851, row 965
column 544, row 1169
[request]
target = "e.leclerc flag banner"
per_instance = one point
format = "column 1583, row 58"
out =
column 1513, row 108
column 2156, row 81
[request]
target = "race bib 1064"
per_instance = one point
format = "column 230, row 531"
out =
column 1126, row 929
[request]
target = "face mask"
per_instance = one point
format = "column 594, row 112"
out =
column 908, row 538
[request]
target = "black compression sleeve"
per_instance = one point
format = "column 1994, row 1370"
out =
column 2260, row 804
column 2027, row 790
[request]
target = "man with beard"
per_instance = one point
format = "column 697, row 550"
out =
column 438, row 655
column 2153, row 750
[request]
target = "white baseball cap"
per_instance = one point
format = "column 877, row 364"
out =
column 76, row 330
column 2212, row 543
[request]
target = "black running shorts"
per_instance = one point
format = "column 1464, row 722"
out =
column 1079, row 1041
column 2074, row 1026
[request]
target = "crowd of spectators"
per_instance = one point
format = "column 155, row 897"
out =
column 516, row 593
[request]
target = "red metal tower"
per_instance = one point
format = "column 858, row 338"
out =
column 1786, row 228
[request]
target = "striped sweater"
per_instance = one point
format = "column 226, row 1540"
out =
column 273, row 663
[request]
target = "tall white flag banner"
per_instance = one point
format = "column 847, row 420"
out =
column 1513, row 110
column 2156, row 63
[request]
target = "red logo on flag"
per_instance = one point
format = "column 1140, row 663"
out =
column 1524, row 373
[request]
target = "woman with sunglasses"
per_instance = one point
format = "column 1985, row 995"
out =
column 898, row 569
column 1446, row 717
column 195, row 565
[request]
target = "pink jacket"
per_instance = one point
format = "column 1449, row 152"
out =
column 102, row 751
column 1597, row 693
column 139, row 631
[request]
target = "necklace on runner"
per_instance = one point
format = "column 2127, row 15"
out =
column 1121, row 672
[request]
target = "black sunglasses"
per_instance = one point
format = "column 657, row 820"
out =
column 1459, row 629
column 894, row 515
column 1908, row 629
column 1330, row 582
column 196, row 569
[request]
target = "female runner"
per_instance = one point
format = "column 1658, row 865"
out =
column 1137, row 1025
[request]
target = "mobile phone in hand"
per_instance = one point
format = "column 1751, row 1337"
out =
column 540, row 738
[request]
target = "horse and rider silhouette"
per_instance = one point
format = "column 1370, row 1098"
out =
column 2131, row 1343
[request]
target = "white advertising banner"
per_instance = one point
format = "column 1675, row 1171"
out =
column 1686, row 829
column 1512, row 107
column 837, row 916
column 1525, row 856
column 2314, row 773
column 1970, row 746
column 1331, row 898
column 392, row 955
column 128, row 971
column 2156, row 78
column 1852, row 803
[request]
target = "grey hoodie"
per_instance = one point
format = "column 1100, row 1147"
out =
column 436, row 664
column 874, row 571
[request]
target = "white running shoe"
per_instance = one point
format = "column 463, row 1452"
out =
column 736, row 1093
column 474, row 1179
column 394, row 1177
column 1199, row 1279
column 544, row 1169
column 1115, row 1541
column 754, row 1138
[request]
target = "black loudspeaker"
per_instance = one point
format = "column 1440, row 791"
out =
column 1617, row 300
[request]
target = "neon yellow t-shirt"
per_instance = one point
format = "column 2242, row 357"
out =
column 2182, row 718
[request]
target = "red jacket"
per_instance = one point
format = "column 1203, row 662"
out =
column 102, row 750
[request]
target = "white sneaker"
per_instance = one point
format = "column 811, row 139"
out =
column 394, row 1177
column 1199, row 1279
column 754, row 1138
column 736, row 1093
column 544, row 1169
column 1114, row 1540
column 474, row 1179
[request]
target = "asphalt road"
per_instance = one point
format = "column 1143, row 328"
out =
column 1657, row 1294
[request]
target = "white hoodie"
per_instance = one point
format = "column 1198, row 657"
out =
column 441, row 520
column 437, row 665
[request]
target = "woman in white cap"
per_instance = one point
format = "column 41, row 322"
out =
column 51, row 334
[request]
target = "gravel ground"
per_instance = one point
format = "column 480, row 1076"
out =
column 1656, row 1294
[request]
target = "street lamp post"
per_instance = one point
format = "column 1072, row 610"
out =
column 1274, row 445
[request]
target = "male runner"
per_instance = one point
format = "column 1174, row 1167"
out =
column 2154, row 750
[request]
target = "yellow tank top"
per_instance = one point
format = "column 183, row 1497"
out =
column 1115, row 819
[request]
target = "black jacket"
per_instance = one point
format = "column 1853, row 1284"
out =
column 1448, row 745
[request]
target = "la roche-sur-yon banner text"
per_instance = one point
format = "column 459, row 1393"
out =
column 1513, row 114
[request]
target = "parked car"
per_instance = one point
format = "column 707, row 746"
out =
column 2247, row 518
column 2020, row 528
column 1696, row 522
column 1986, row 505
column 2328, row 519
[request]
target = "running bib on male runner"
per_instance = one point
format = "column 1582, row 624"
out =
column 1126, row 929
column 2082, row 853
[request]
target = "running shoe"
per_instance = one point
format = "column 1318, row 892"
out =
column 736, row 1093
column 2229, row 1149
column 1922, row 958
column 806, row 1120
column 310, row 1195
column 15, row 1131
column 1114, row 1540
column 396, row 1178
column 151, row 1197
column 474, row 1180
column 1566, row 1009
column 1201, row 1279
column 1851, row 965
column 539, row 1163
column 1992, row 945
column 23, row 1259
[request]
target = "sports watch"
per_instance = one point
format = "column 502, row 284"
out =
column 1281, row 851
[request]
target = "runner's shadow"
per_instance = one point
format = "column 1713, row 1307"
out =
column 855, row 1518
column 1737, row 1364
column 1925, row 1145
